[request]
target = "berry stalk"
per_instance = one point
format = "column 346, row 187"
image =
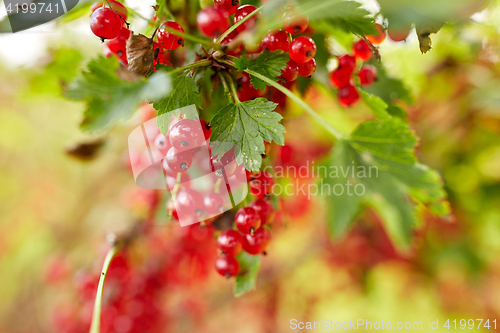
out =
column 237, row 24
column 335, row 132
column 96, row 315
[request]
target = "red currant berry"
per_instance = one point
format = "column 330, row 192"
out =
column 367, row 75
column 340, row 77
column 308, row 68
column 116, row 6
column 230, row 242
column 241, row 13
column 264, row 208
column 247, row 220
column 399, row 34
column 227, row 6
column 302, row 49
column 257, row 243
column 379, row 37
column 118, row 45
column 169, row 172
column 105, row 23
column 225, row 164
column 214, row 203
column 347, row 62
column 207, row 130
column 163, row 57
column 227, row 266
column 236, row 51
column 188, row 202
column 162, row 144
column 178, row 161
column 241, row 173
column 211, row 22
column 295, row 23
column 168, row 39
column 262, row 185
column 362, row 50
column 290, row 72
column 348, row 95
column 246, row 90
column 276, row 40
column 186, row 134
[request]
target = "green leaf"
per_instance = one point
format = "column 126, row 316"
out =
column 184, row 93
column 346, row 15
column 376, row 104
column 268, row 64
column 110, row 98
column 246, row 125
column 249, row 267
column 377, row 166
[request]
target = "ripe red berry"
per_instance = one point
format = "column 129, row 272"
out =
column 207, row 130
column 241, row 13
column 262, row 185
column 162, row 144
column 367, row 75
column 228, row 6
column 308, row 68
column 178, row 161
column 398, row 34
column 118, row 45
column 290, row 72
column 230, row 242
column 264, row 208
column 186, row 134
column 379, row 37
column 348, row 95
column 116, row 6
column 105, row 23
column 212, row 22
column 302, row 49
column 246, row 90
column 227, row 266
column 214, row 203
column 189, row 202
column 340, row 77
column 295, row 23
column 168, row 39
column 257, row 243
column 347, row 62
column 236, row 51
column 276, row 40
column 362, row 50
column 247, row 220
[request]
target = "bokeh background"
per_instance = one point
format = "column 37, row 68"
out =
column 55, row 211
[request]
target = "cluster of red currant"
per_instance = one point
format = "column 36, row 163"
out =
column 183, row 142
column 342, row 77
column 252, row 235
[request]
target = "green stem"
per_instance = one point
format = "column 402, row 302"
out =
column 96, row 316
column 237, row 24
column 335, row 132
column 192, row 38
column 232, row 86
column 196, row 64
column 225, row 86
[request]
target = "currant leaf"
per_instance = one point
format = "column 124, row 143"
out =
column 246, row 279
column 378, row 162
column 376, row 104
column 184, row 93
column 246, row 125
column 268, row 64
column 108, row 97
